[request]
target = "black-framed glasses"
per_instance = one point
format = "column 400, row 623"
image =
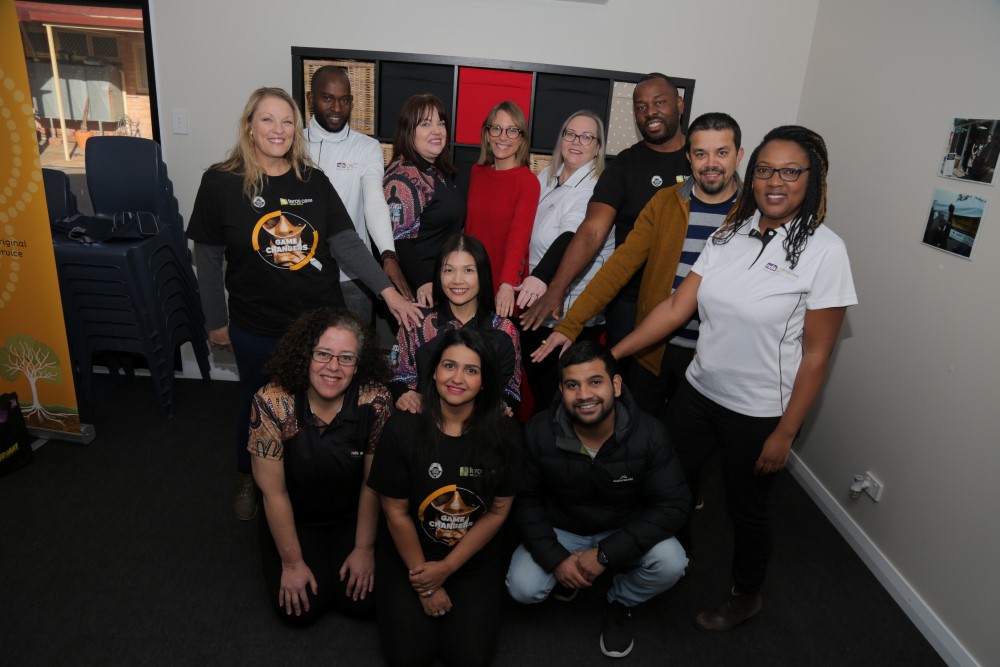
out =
column 787, row 174
column 569, row 136
column 345, row 359
column 496, row 131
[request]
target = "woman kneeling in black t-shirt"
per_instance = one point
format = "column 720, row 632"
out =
column 447, row 480
column 313, row 430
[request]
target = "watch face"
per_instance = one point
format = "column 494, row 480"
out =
column 601, row 558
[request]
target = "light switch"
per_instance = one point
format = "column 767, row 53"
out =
column 180, row 117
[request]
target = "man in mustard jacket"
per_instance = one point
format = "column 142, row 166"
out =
column 668, row 236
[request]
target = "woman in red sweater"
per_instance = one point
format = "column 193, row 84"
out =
column 503, row 196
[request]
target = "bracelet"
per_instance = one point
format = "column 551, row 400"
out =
column 388, row 254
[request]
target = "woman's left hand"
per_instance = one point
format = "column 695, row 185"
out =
column 436, row 604
column 530, row 290
column 505, row 300
column 774, row 455
column 407, row 314
column 361, row 565
column 430, row 576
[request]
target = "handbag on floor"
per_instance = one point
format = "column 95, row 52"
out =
column 15, row 444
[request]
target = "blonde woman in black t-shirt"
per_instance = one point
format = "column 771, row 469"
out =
column 446, row 478
column 282, row 230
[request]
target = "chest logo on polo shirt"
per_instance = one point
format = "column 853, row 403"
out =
column 347, row 165
column 285, row 241
column 447, row 513
column 657, row 181
column 780, row 271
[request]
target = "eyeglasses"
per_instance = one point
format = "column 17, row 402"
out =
column 569, row 136
column 787, row 174
column 345, row 359
column 496, row 131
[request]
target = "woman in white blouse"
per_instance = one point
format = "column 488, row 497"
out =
column 567, row 184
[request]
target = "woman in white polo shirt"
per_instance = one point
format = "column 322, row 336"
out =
column 771, row 311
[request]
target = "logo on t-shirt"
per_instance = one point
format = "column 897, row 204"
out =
column 285, row 241
column 435, row 470
column 448, row 513
column 657, row 181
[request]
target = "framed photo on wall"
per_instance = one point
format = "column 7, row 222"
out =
column 953, row 222
column 971, row 152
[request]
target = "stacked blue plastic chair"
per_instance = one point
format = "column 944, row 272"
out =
column 137, row 296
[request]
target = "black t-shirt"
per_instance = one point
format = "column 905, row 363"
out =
column 277, row 246
column 628, row 184
column 441, row 483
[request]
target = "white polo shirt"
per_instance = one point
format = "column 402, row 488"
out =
column 752, row 306
column 561, row 209
column 353, row 163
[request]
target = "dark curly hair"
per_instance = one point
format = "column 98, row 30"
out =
column 813, row 210
column 289, row 366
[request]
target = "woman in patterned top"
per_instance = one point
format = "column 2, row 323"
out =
column 313, row 430
column 463, row 294
column 425, row 205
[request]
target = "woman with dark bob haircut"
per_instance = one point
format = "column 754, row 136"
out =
column 425, row 205
column 462, row 279
column 771, row 288
column 313, row 430
column 446, row 478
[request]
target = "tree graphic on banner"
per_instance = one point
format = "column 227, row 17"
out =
column 23, row 355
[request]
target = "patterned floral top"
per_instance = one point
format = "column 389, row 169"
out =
column 411, row 353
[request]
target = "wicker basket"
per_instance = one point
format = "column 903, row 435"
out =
column 362, row 77
column 386, row 154
column 539, row 162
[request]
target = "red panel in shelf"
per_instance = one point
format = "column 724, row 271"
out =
column 479, row 90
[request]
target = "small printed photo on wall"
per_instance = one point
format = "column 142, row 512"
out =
column 953, row 222
column 971, row 152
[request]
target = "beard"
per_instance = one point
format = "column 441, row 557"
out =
column 591, row 419
column 715, row 188
column 670, row 127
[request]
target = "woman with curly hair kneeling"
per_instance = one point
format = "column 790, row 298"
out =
column 313, row 431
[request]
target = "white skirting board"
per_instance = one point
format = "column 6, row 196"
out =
column 929, row 624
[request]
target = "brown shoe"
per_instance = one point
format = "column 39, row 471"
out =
column 736, row 609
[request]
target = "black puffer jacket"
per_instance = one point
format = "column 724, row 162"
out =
column 634, row 484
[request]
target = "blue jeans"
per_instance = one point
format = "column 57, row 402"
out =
column 660, row 568
column 251, row 352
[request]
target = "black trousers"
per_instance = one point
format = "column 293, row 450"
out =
column 324, row 550
column 653, row 392
column 543, row 378
column 698, row 428
column 464, row 637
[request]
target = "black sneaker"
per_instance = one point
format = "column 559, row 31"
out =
column 616, row 637
column 564, row 594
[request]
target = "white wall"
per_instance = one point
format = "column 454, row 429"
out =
column 913, row 395
column 209, row 56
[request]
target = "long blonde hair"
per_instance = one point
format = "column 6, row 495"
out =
column 242, row 158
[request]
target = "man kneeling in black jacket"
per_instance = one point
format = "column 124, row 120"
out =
column 601, row 489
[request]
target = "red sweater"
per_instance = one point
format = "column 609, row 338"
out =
column 501, row 214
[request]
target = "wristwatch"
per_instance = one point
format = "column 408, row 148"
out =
column 602, row 558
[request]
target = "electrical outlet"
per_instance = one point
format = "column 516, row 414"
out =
column 874, row 488
column 180, row 121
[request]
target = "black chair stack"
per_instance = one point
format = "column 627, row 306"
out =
column 131, row 296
